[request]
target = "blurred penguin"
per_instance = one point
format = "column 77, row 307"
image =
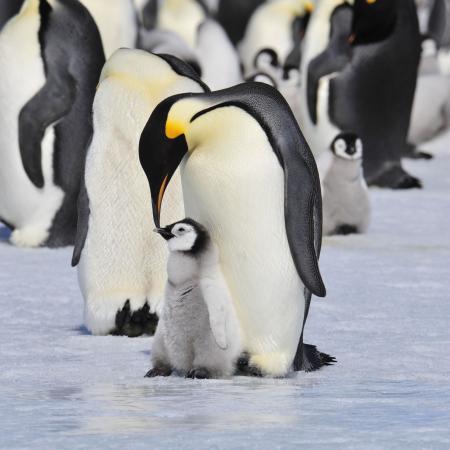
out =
column 117, row 22
column 346, row 203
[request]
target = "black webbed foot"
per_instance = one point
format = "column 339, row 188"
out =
column 199, row 373
column 135, row 323
column 345, row 229
column 159, row 371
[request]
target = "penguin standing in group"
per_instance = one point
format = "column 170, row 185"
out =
column 121, row 264
column 383, row 45
column 277, row 26
column 385, row 56
column 47, row 87
column 346, row 203
column 117, row 22
column 184, row 29
column 198, row 334
column 229, row 144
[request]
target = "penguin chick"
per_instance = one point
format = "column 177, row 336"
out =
column 346, row 204
column 198, row 333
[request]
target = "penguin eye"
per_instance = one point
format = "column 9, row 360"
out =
column 181, row 230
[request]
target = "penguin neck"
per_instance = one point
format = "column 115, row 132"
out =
column 346, row 170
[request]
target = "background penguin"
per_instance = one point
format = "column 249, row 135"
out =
column 8, row 9
column 325, row 40
column 117, row 22
column 48, row 85
column 278, row 25
column 121, row 263
column 431, row 109
column 231, row 142
column 184, row 29
column 385, row 55
column 198, row 333
column 346, row 203
column 234, row 15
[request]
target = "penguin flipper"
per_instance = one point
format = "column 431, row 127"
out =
column 333, row 59
column 53, row 101
column 82, row 223
column 218, row 300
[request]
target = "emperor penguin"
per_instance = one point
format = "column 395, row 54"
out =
column 234, row 15
column 278, row 25
column 117, row 22
column 198, row 333
column 185, row 29
column 383, row 50
column 121, row 264
column 48, row 85
column 346, row 202
column 229, row 144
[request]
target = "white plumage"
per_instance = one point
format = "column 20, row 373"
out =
column 122, row 259
column 22, row 204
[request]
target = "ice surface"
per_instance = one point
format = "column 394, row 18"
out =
column 386, row 319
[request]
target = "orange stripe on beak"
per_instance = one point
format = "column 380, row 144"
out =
column 161, row 192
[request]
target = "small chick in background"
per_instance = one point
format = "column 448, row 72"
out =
column 346, row 203
column 198, row 334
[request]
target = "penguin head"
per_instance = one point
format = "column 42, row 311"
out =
column 347, row 146
column 186, row 236
column 373, row 20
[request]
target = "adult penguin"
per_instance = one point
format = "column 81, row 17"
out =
column 277, row 26
column 8, row 9
column 229, row 143
column 117, row 22
column 121, row 263
column 234, row 15
column 373, row 96
column 48, row 85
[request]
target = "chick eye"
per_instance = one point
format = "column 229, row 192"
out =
column 181, row 230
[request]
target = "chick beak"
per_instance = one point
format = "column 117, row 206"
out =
column 166, row 234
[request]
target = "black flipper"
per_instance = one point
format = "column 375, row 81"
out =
column 49, row 105
column 333, row 59
column 82, row 223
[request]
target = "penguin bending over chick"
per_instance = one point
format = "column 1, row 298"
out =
column 346, row 203
column 229, row 144
column 198, row 332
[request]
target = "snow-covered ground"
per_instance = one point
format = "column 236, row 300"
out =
column 386, row 319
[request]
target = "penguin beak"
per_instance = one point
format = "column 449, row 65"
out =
column 160, row 153
column 166, row 234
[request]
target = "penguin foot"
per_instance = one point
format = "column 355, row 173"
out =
column 135, row 323
column 311, row 359
column 159, row 371
column 244, row 368
column 345, row 229
column 199, row 373
column 395, row 178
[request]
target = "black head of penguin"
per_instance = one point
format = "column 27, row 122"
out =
column 347, row 145
column 373, row 20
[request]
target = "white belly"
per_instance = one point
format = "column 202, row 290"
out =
column 235, row 187
column 123, row 259
column 21, row 204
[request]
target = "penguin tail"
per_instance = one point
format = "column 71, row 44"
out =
column 309, row 359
